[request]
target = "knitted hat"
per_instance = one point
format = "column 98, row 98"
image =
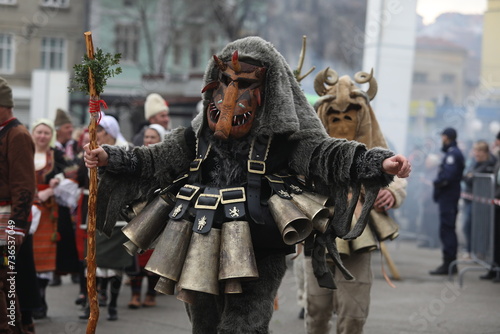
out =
column 450, row 133
column 61, row 118
column 5, row 94
column 154, row 104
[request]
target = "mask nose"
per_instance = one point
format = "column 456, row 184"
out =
column 225, row 122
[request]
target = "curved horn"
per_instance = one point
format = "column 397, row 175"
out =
column 363, row 77
column 236, row 62
column 328, row 76
column 322, row 100
column 219, row 63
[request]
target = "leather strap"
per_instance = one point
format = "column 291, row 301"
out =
column 256, row 169
column 184, row 197
column 233, row 200
column 205, row 206
column 202, row 150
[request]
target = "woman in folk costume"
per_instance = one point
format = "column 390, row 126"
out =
column 49, row 167
column 111, row 257
column 345, row 111
column 256, row 122
column 153, row 134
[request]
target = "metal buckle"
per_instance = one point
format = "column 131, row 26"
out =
column 190, row 197
column 256, row 171
column 197, row 166
column 243, row 197
column 274, row 179
column 209, row 207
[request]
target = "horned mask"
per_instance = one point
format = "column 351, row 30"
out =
column 237, row 94
column 342, row 103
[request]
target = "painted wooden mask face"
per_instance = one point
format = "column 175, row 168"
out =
column 343, row 124
column 236, row 98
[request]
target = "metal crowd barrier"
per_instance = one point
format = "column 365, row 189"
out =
column 483, row 224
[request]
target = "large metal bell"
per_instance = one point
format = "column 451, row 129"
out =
column 201, row 266
column 237, row 258
column 366, row 242
column 316, row 212
column 383, row 225
column 170, row 252
column 292, row 223
column 148, row 224
column 165, row 286
column 343, row 246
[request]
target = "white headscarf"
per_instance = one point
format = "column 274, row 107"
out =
column 48, row 123
column 111, row 126
column 160, row 129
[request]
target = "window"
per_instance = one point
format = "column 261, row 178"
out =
column 195, row 50
column 55, row 3
column 6, row 53
column 127, row 39
column 8, row 2
column 419, row 77
column 53, row 53
column 447, row 78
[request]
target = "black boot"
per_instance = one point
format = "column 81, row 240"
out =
column 86, row 313
column 444, row 268
column 112, row 314
column 491, row 274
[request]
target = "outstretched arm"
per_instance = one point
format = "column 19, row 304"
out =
column 397, row 165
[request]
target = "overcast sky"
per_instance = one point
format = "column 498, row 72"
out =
column 430, row 9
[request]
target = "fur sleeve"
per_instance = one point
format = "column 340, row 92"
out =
column 134, row 175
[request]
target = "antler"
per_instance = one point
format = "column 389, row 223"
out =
column 297, row 74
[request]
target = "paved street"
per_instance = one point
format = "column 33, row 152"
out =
column 419, row 303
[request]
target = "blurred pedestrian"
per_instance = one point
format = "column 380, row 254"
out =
column 81, row 218
column 156, row 111
column 48, row 164
column 152, row 135
column 483, row 162
column 67, row 258
column 446, row 193
column 494, row 271
column 17, row 190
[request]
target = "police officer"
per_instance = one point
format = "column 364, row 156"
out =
column 446, row 194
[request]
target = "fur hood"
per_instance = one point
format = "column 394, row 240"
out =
column 285, row 106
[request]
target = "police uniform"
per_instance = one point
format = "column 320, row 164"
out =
column 446, row 194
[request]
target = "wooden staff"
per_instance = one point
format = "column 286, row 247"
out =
column 91, row 225
column 392, row 266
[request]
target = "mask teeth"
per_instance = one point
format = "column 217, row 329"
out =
column 241, row 119
column 214, row 112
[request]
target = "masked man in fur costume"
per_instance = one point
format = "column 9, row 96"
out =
column 345, row 111
column 256, row 123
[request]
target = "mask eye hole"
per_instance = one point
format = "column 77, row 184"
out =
column 244, row 84
column 355, row 107
column 331, row 111
column 335, row 120
column 225, row 79
column 348, row 118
